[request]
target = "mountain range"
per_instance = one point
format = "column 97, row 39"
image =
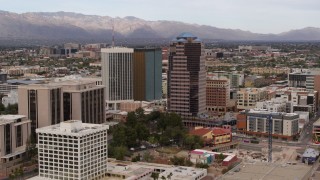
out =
column 75, row 26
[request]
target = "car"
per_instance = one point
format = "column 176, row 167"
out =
column 132, row 149
column 142, row 147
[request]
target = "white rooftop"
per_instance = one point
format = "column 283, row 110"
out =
column 6, row 119
column 73, row 128
column 133, row 170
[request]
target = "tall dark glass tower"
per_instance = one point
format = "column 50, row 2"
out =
column 187, row 76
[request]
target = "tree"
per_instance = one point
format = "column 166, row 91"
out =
column 119, row 136
column 140, row 114
column 163, row 178
column 131, row 137
column 2, row 108
column 12, row 109
column 31, row 148
column 189, row 142
column 170, row 175
column 120, row 152
column 178, row 161
column 202, row 165
column 152, row 140
column 155, row 175
column 142, row 132
column 147, row 157
column 131, row 119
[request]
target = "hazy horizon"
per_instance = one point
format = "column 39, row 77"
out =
column 267, row 16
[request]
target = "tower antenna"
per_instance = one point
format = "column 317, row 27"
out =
column 113, row 33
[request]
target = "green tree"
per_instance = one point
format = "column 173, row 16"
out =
column 131, row 137
column 163, row 178
column 131, row 119
column 119, row 136
column 142, row 132
column 202, row 165
column 147, row 157
column 140, row 114
column 2, row 108
column 170, row 175
column 12, row 109
column 189, row 142
column 155, row 175
column 120, row 152
column 31, row 148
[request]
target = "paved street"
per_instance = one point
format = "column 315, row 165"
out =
column 306, row 134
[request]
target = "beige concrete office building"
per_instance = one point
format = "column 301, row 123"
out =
column 14, row 130
column 41, row 103
column 83, row 99
column 49, row 104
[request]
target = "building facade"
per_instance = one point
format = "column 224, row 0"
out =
column 248, row 97
column 147, row 74
column 187, row 76
column 42, row 104
column 83, row 99
column 316, row 132
column 117, row 75
column 217, row 96
column 15, row 131
column 284, row 125
column 73, row 150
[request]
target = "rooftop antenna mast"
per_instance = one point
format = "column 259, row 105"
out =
column 113, row 33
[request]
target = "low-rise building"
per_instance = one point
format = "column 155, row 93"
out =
column 143, row 171
column 273, row 105
column 284, row 125
column 248, row 97
column 213, row 136
column 207, row 157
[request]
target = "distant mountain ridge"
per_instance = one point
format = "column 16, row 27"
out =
column 68, row 25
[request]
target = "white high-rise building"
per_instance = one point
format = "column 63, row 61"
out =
column 72, row 150
column 117, row 75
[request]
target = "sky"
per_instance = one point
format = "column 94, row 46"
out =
column 259, row 16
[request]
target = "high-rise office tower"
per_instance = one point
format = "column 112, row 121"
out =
column 83, row 99
column 187, row 76
column 41, row 103
column 147, row 76
column 117, row 75
column 49, row 104
column 73, row 150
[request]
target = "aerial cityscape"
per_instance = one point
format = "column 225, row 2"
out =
column 170, row 90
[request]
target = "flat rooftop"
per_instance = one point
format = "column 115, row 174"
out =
column 132, row 170
column 5, row 119
column 265, row 171
column 72, row 128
